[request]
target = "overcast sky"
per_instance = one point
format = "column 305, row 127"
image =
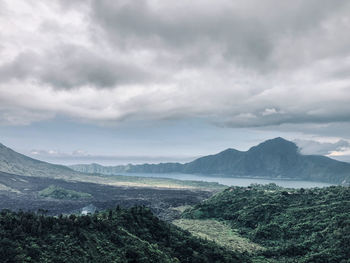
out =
column 156, row 80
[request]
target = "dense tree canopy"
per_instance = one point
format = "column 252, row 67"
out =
column 118, row 235
column 301, row 225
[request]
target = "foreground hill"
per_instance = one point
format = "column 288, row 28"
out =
column 292, row 225
column 119, row 235
column 276, row 158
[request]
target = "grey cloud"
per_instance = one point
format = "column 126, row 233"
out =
column 319, row 148
column 72, row 4
column 259, row 118
column 79, row 156
column 136, row 25
column 245, row 33
column 241, row 63
column 342, row 73
column 74, row 67
column 21, row 67
column 69, row 66
column 322, row 130
column 3, row 8
column 13, row 116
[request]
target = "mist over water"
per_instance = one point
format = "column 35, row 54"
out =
column 237, row 181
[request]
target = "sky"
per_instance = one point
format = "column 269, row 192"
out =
column 138, row 81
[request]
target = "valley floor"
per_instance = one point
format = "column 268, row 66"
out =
column 22, row 193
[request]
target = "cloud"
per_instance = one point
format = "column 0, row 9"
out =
column 71, row 66
column 236, row 64
column 10, row 116
column 81, row 156
column 243, row 32
column 57, row 153
column 331, row 149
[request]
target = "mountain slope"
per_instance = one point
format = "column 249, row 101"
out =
column 276, row 158
column 293, row 225
column 95, row 168
column 221, row 163
column 16, row 163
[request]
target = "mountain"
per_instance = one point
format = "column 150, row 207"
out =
column 16, row 163
column 95, row 168
column 275, row 158
column 130, row 168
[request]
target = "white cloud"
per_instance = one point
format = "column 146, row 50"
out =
column 334, row 149
column 82, row 156
column 342, row 152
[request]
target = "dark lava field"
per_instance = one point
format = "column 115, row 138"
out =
column 22, row 193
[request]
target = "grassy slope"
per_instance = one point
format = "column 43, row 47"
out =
column 293, row 225
column 219, row 232
column 57, row 192
column 154, row 182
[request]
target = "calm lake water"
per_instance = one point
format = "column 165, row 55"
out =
column 233, row 181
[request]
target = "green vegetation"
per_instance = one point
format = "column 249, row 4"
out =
column 292, row 225
column 119, row 235
column 181, row 208
column 219, row 232
column 162, row 182
column 57, row 192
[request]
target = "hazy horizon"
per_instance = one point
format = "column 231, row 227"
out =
column 84, row 158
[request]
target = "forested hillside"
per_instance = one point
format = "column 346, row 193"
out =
column 292, row 225
column 118, row 235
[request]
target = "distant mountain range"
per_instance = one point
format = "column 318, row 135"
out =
column 275, row 158
column 15, row 163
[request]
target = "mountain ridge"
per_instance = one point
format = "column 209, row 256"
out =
column 274, row 158
column 16, row 163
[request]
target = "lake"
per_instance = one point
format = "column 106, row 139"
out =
column 233, row 181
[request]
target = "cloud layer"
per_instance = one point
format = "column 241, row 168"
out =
column 235, row 63
column 337, row 148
